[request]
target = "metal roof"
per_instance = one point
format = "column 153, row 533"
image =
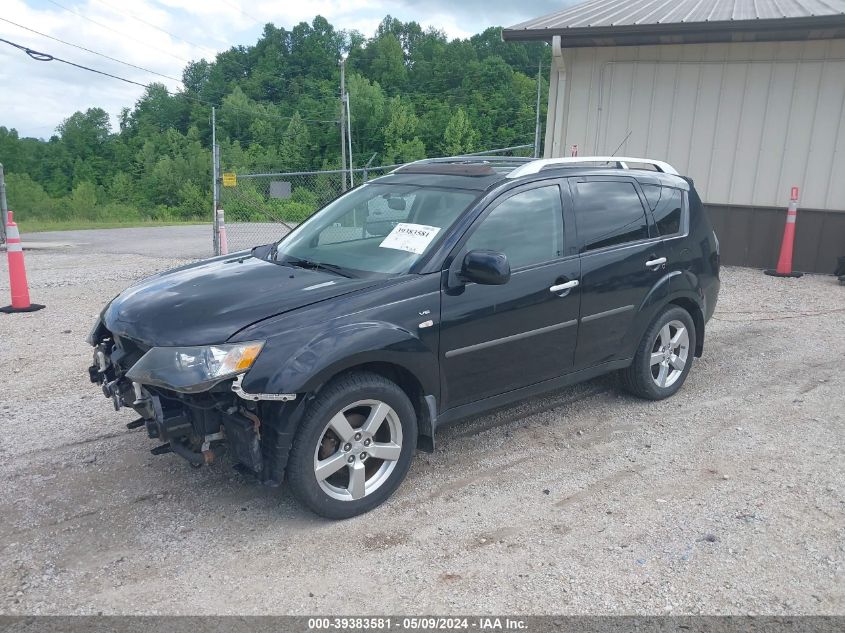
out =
column 598, row 22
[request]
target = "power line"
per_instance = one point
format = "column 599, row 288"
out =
column 173, row 35
column 114, row 59
column 46, row 57
column 238, row 8
column 105, row 26
column 150, row 24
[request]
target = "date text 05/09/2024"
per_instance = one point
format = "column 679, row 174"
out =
column 417, row 623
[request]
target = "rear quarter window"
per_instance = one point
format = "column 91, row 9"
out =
column 667, row 205
column 669, row 213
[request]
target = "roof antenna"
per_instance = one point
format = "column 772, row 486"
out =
column 622, row 143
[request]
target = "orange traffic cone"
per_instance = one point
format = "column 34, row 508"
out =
column 221, row 232
column 784, row 267
column 17, row 272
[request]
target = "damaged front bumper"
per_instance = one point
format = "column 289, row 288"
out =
column 199, row 427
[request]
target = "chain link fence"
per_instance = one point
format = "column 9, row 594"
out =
column 262, row 208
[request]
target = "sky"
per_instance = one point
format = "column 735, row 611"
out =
column 164, row 35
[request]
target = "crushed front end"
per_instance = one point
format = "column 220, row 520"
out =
column 194, row 412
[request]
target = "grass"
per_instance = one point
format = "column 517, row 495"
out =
column 39, row 226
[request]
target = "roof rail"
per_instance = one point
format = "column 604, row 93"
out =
column 468, row 158
column 621, row 163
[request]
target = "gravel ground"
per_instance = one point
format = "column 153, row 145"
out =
column 727, row 499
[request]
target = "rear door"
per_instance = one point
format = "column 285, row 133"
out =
column 620, row 262
column 495, row 339
column 670, row 215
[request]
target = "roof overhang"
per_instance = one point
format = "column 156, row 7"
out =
column 780, row 29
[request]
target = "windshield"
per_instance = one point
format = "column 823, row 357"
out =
column 377, row 228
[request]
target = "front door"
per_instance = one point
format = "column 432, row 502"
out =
column 495, row 339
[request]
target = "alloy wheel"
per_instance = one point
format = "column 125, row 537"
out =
column 358, row 450
column 669, row 354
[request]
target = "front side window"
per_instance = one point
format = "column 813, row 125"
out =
column 527, row 227
column 376, row 228
column 609, row 213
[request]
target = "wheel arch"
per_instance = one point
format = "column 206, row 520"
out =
column 408, row 382
column 694, row 310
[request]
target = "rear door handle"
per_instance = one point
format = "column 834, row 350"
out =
column 567, row 286
column 655, row 262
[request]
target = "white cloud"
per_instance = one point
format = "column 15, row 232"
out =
column 36, row 96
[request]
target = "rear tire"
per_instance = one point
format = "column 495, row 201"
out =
column 664, row 356
column 353, row 447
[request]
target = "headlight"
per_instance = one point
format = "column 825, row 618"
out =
column 94, row 335
column 193, row 369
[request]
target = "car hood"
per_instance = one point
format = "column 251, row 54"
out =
column 208, row 302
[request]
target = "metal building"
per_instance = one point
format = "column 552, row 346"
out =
column 745, row 96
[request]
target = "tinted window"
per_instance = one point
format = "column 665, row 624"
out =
column 668, row 213
column 609, row 213
column 652, row 194
column 527, row 227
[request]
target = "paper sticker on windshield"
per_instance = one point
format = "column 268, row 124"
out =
column 413, row 238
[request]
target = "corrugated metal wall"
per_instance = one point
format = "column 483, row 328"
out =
column 745, row 120
column 751, row 236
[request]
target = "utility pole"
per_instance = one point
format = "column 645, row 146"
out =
column 343, row 123
column 215, row 179
column 349, row 137
column 537, row 124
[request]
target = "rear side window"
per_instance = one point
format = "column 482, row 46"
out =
column 667, row 206
column 609, row 213
column 668, row 215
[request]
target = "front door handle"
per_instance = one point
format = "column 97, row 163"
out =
column 655, row 262
column 569, row 285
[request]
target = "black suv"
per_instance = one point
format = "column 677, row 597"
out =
column 442, row 290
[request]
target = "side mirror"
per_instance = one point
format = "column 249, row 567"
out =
column 490, row 268
column 263, row 251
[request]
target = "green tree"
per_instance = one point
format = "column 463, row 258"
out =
column 368, row 106
column 28, row 199
column 237, row 113
column 83, row 201
column 400, row 139
column 459, row 137
column 295, row 150
column 86, row 133
column 388, row 63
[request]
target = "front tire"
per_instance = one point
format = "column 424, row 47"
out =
column 664, row 356
column 353, row 447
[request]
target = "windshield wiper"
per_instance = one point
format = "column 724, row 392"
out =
column 312, row 265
